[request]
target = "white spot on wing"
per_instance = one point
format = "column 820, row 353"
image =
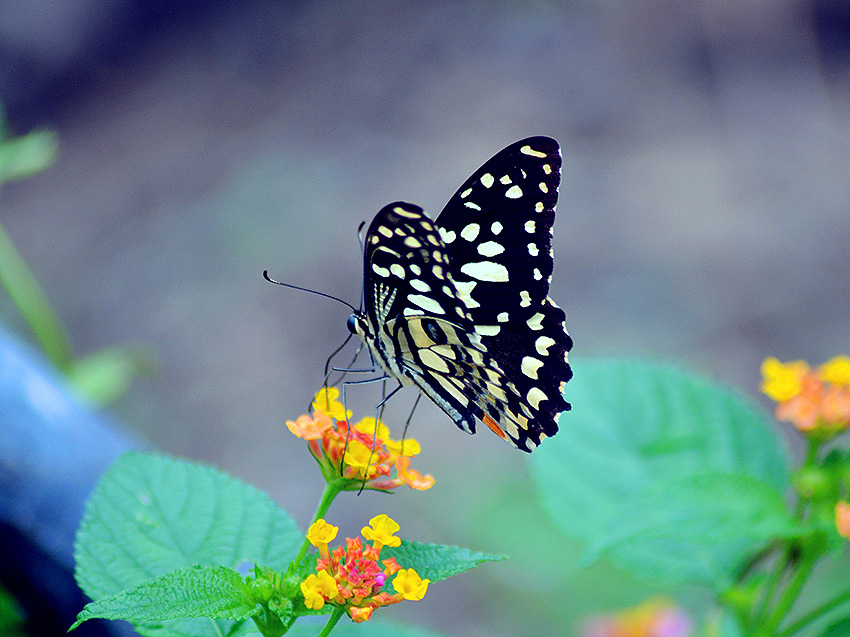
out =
column 426, row 303
column 524, row 299
column 447, row 235
column 502, row 317
column 466, row 193
column 412, row 242
column 496, row 228
column 514, row 192
column 382, row 272
column 490, row 249
column 506, row 179
column 528, row 150
column 398, row 270
column 470, row 232
column 464, row 291
column 487, row 180
column 486, row 271
column 535, row 322
column 530, row 226
column 542, row 345
column 472, row 206
column 530, row 365
column 535, row 396
column 420, row 285
column 487, row 330
column 533, row 250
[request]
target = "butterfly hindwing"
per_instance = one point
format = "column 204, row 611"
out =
column 459, row 306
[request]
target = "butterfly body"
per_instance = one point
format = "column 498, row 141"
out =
column 459, row 306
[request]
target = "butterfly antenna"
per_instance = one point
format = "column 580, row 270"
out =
column 362, row 255
column 296, row 287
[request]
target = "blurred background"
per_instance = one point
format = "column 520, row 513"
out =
column 704, row 218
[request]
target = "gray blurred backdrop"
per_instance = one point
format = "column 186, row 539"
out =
column 703, row 218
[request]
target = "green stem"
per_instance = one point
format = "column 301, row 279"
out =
column 772, row 584
column 332, row 489
column 816, row 614
column 332, row 621
column 792, row 592
column 32, row 303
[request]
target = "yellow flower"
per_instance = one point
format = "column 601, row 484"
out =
column 326, row 402
column 408, row 583
column 782, row 381
column 360, row 458
column 381, row 531
column 321, row 533
column 367, row 426
column 408, row 447
column 317, row 588
column 836, row 371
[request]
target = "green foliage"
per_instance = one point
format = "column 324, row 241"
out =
column 11, row 620
column 435, row 561
column 101, row 377
column 838, row 629
column 697, row 530
column 643, row 436
column 27, row 155
column 161, row 540
column 216, row 592
column 150, row 515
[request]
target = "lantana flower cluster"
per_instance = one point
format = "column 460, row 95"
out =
column 657, row 617
column 815, row 400
column 362, row 453
column 353, row 577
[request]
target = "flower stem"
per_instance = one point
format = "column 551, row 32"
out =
column 332, row 621
column 792, row 592
column 772, row 584
column 815, row 614
column 332, row 489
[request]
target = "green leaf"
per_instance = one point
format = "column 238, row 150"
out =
column 150, row 515
column 31, row 301
column 104, row 376
column 435, row 561
column 840, row 628
column 635, row 425
column 198, row 591
column 27, row 155
column 699, row 530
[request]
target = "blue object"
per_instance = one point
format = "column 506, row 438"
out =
column 53, row 449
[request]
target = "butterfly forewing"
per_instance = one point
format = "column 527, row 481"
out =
column 459, row 306
column 498, row 229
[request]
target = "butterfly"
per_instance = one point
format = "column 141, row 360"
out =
column 459, row 306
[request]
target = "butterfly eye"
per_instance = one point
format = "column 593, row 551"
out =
column 352, row 324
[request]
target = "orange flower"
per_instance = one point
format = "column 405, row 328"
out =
column 353, row 576
column 656, row 617
column 842, row 519
column 815, row 401
column 359, row 453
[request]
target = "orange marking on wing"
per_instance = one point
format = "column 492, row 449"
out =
column 493, row 426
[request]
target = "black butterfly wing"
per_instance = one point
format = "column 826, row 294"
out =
column 497, row 230
column 420, row 331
